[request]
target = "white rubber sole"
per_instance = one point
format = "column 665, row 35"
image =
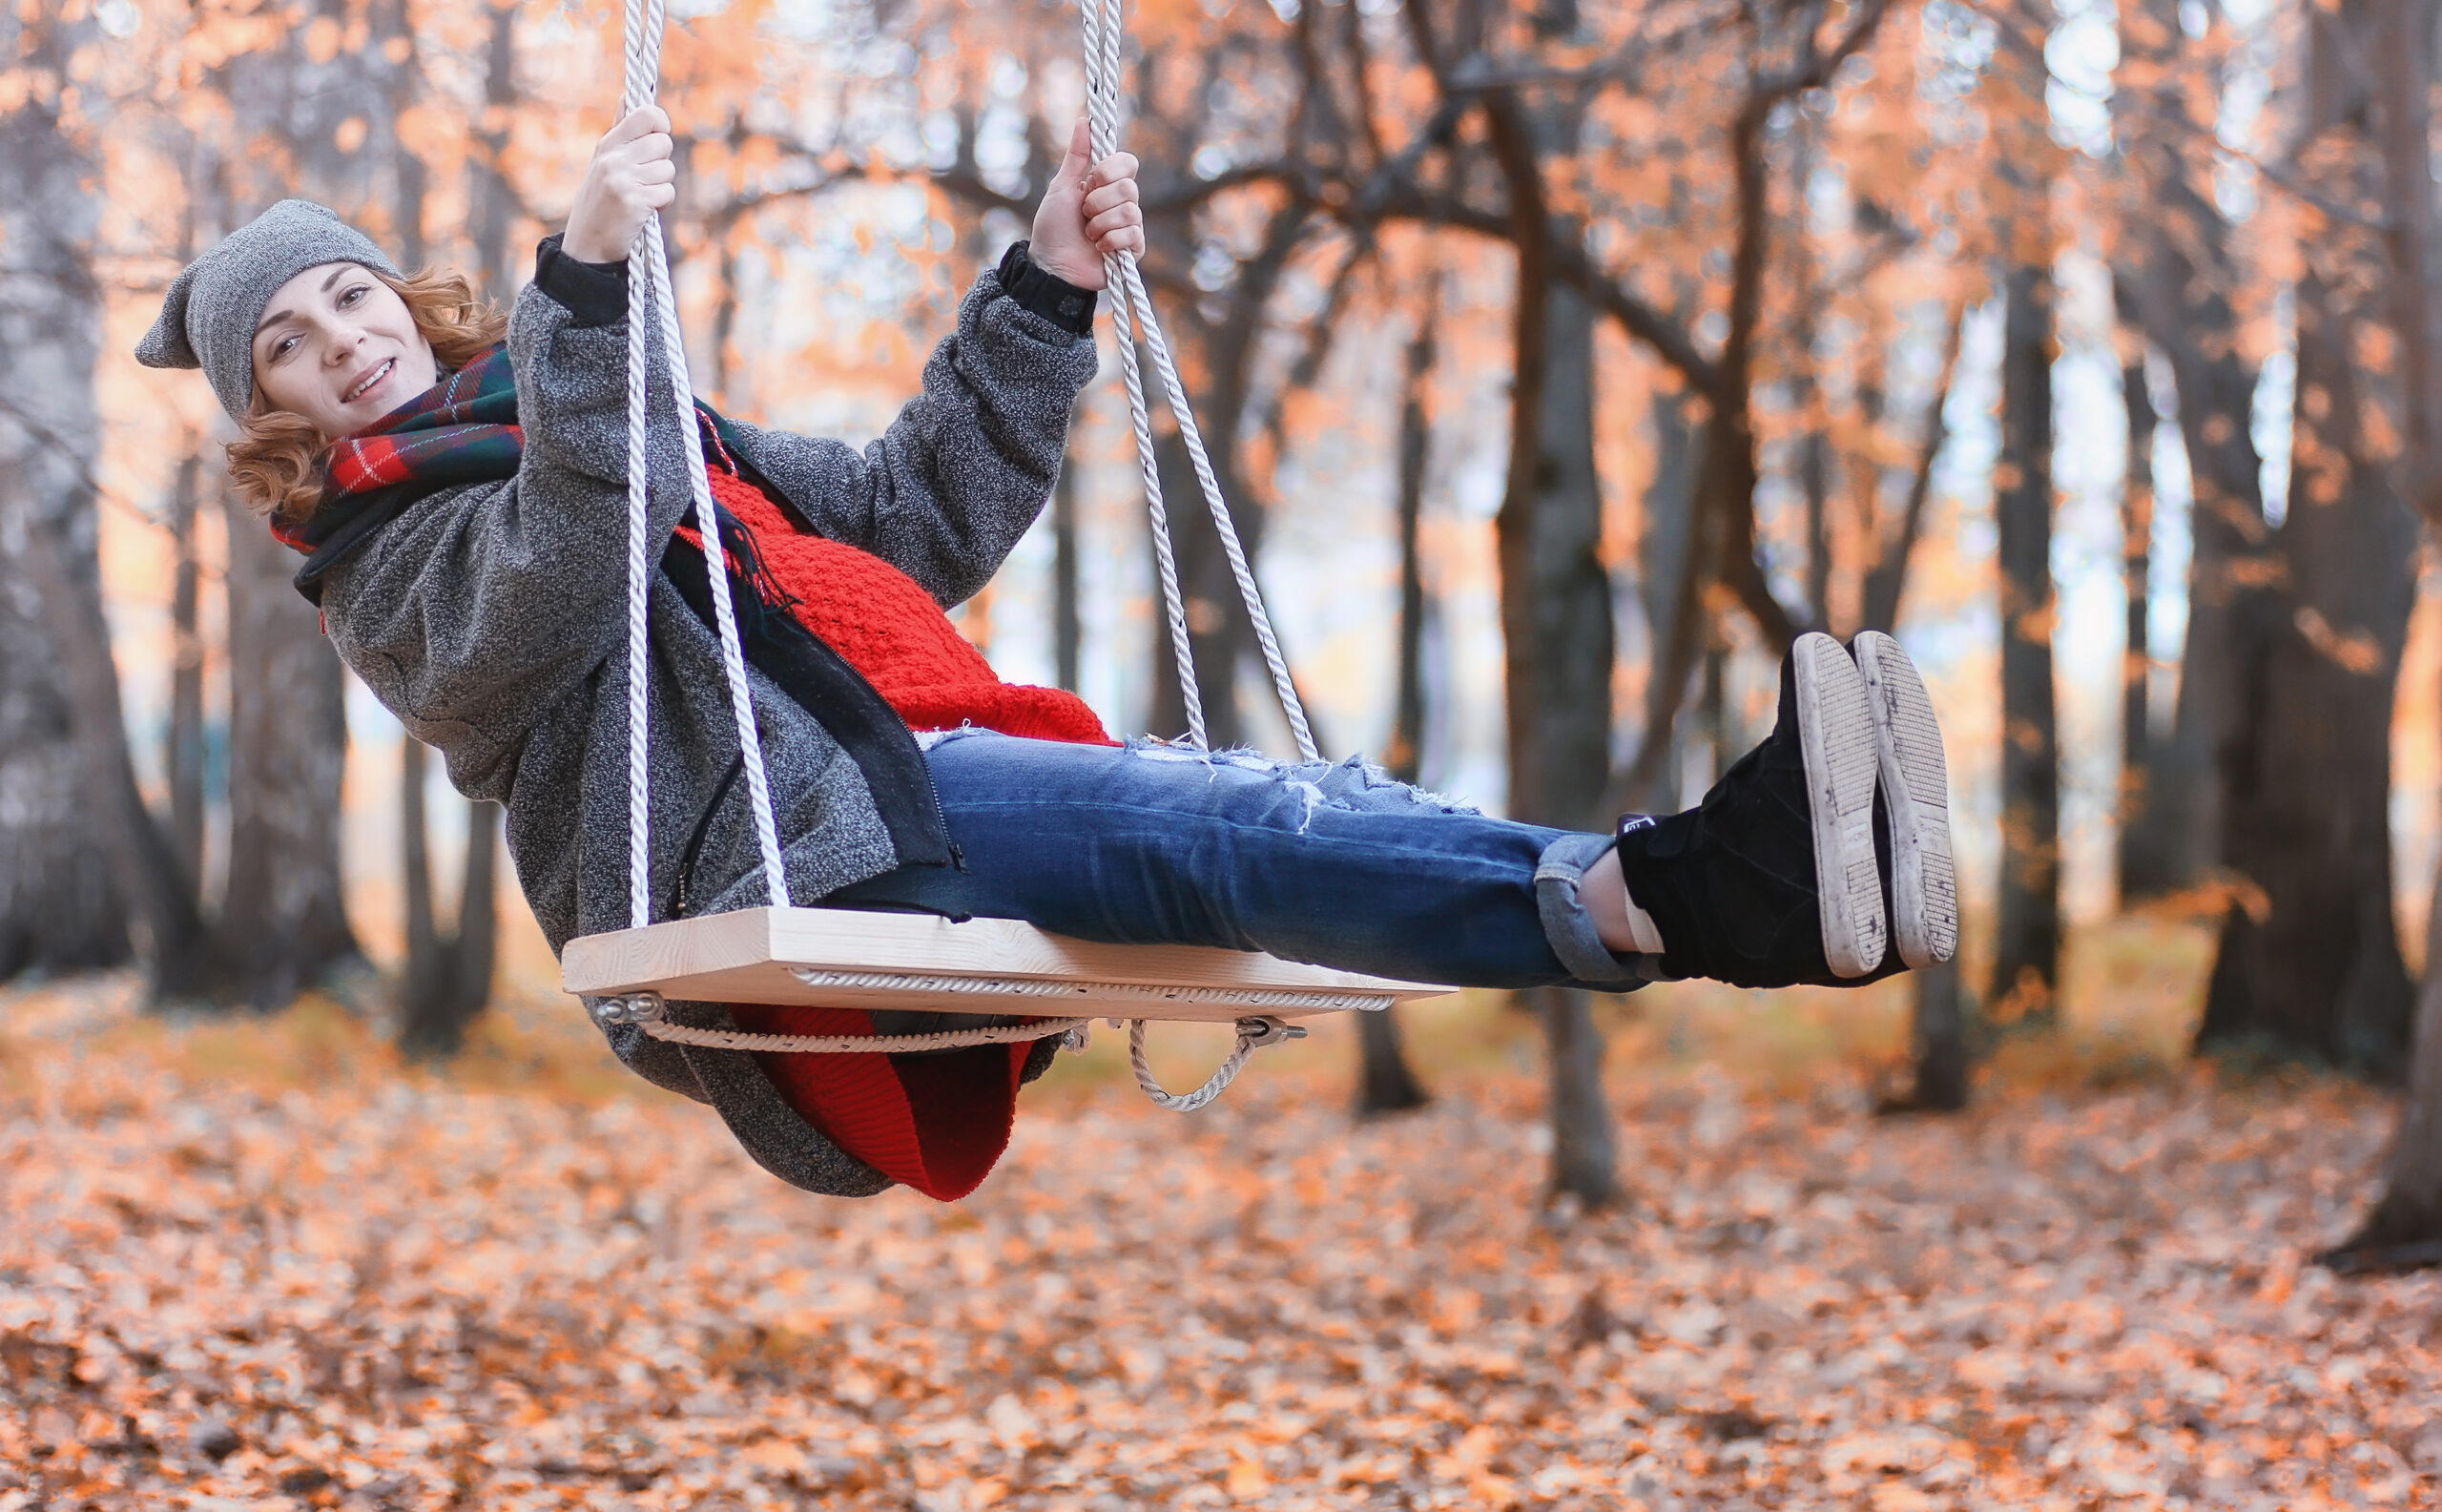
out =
column 1836, row 734
column 1916, row 790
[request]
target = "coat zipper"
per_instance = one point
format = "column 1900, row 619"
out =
column 679, row 901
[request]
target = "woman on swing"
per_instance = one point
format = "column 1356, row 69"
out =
column 458, row 499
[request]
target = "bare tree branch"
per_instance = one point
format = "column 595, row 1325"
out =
column 1888, row 576
column 1389, row 197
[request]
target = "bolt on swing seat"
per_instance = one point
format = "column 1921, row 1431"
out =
column 843, row 958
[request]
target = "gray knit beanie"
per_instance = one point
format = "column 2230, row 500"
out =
column 209, row 319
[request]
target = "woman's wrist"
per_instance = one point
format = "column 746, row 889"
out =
column 575, row 244
column 1037, row 288
column 593, row 292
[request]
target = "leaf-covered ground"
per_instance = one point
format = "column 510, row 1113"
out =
column 262, row 1265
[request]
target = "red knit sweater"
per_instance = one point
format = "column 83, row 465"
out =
column 935, row 1123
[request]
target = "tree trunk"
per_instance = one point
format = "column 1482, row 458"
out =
column 442, row 988
column 1555, row 603
column 421, row 979
column 183, row 749
column 1404, row 754
column 1585, row 1151
column 1556, row 629
column 1556, row 595
column 479, row 911
column 142, row 865
column 1216, row 632
column 396, row 35
column 1937, row 1041
column 1712, row 705
column 1885, row 581
column 1807, row 404
column 1067, row 625
column 2140, row 871
column 60, row 908
column 2405, row 1229
column 2182, row 279
column 1385, row 1083
column 1722, row 529
column 317, row 123
column 1815, row 486
column 323, row 126
column 1938, row 1024
column 2308, row 964
column 2402, row 34
column 495, row 198
column 447, row 980
column 1217, row 629
column 283, row 918
column 2026, row 960
column 1662, row 571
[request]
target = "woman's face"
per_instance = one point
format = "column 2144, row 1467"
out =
column 337, row 345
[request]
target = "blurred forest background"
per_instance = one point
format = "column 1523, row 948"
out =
column 1563, row 361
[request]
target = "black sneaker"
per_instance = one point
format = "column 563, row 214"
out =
column 1921, row 891
column 1771, row 881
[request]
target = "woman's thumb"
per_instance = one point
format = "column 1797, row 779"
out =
column 1080, row 152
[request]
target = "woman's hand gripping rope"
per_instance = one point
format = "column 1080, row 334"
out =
column 631, row 176
column 1089, row 210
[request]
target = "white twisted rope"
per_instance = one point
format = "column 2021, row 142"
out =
column 1102, row 99
column 637, row 89
column 1185, row 1101
column 1063, row 987
column 1103, row 133
column 1165, row 556
column 741, row 699
column 1072, row 1029
column 645, row 23
column 1132, row 320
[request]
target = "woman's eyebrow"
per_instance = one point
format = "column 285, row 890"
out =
column 275, row 317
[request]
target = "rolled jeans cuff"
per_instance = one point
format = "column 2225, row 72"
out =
column 1558, row 874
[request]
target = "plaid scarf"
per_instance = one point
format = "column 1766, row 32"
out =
column 462, row 429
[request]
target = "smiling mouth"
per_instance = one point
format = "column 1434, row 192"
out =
column 364, row 385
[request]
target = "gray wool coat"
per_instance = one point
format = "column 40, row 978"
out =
column 491, row 619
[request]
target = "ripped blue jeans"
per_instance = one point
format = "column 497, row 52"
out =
column 1335, row 865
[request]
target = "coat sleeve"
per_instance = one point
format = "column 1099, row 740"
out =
column 949, row 488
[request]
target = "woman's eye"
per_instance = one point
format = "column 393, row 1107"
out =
column 282, row 347
column 355, row 291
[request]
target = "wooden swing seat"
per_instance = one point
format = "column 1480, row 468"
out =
column 855, row 959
